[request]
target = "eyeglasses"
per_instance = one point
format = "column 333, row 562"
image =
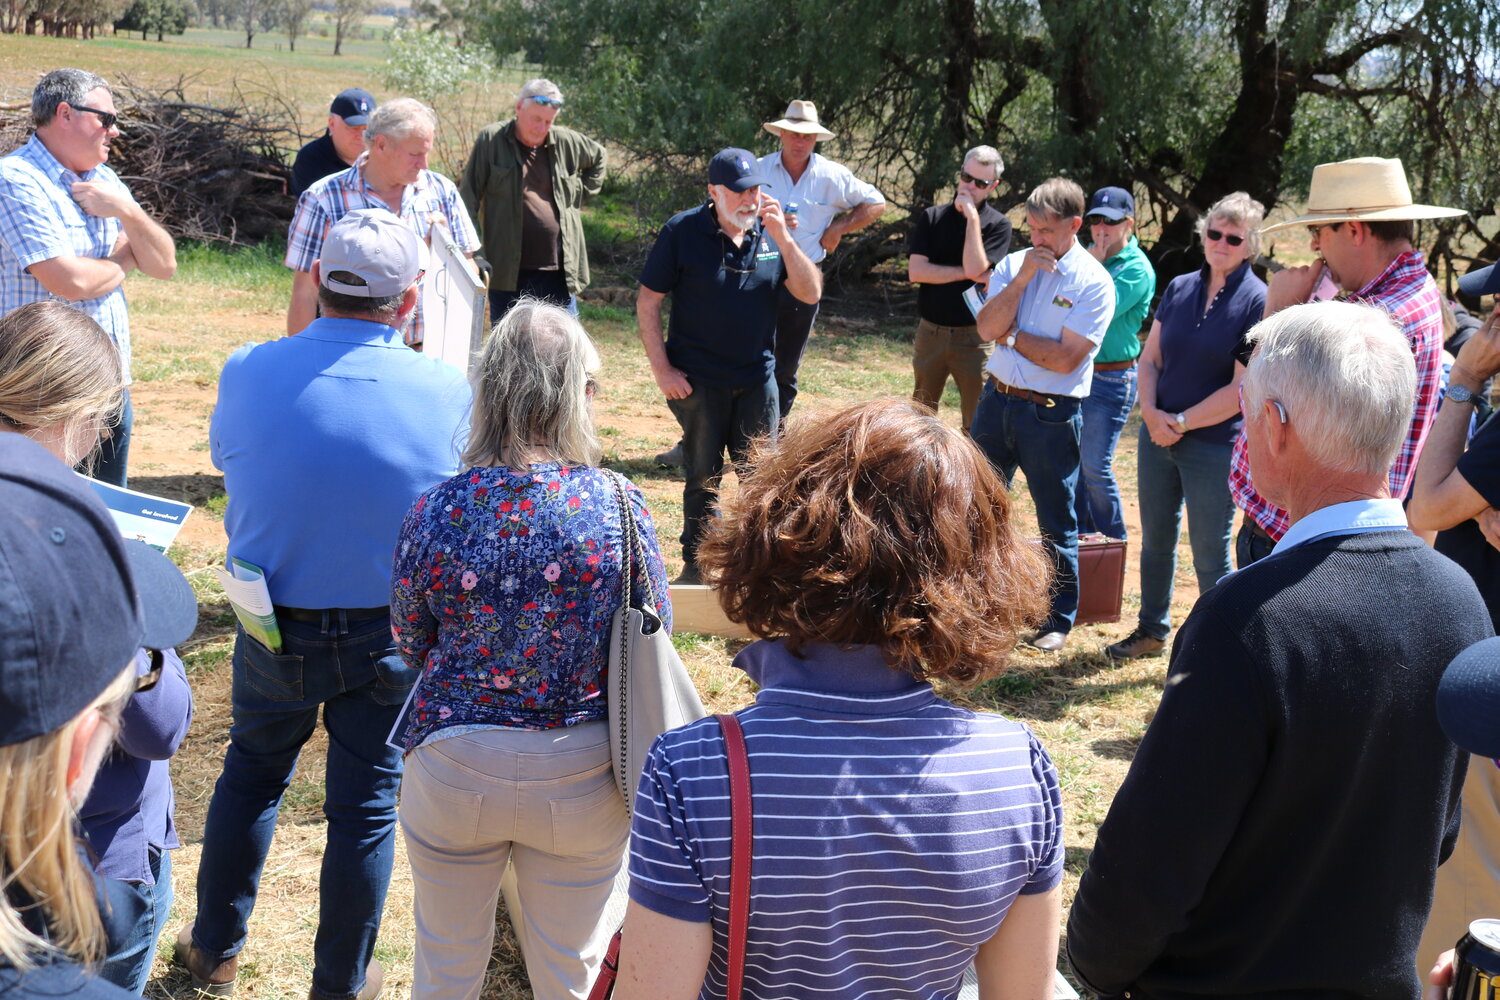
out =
column 106, row 118
column 734, row 261
column 965, row 177
column 1099, row 220
column 545, row 101
column 1317, row 228
column 147, row 681
column 1215, row 235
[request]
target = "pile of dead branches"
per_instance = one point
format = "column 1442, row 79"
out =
column 215, row 174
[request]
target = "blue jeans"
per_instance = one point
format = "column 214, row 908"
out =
column 794, row 323
column 715, row 419
column 1251, row 546
column 1043, row 442
column 349, row 669
column 549, row 285
column 129, row 965
column 114, row 451
column 1198, row 472
column 1105, row 410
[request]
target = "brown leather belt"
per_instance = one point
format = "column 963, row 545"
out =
column 1040, row 398
column 1113, row 366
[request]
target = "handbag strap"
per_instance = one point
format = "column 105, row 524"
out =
column 633, row 559
column 740, row 835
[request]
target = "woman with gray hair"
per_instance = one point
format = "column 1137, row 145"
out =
column 1190, row 372
column 506, row 580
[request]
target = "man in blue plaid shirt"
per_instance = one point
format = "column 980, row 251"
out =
column 69, row 228
column 392, row 175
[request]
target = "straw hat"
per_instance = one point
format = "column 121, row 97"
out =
column 1366, row 189
column 802, row 117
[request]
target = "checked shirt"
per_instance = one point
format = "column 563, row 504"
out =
column 39, row 220
column 1408, row 293
column 432, row 198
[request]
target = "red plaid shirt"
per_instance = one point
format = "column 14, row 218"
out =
column 1408, row 293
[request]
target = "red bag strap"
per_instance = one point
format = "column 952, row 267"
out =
column 740, row 818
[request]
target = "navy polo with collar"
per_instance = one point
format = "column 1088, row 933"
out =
column 723, row 324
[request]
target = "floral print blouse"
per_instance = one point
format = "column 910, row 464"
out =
column 504, row 587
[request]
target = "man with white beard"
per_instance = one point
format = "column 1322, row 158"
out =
column 724, row 264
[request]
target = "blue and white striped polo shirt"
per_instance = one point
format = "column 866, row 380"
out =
column 892, row 829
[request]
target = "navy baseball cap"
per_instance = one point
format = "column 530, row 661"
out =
column 73, row 608
column 1485, row 281
column 735, row 169
column 354, row 106
column 1112, row 203
column 1468, row 697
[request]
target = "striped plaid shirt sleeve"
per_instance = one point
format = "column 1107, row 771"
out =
column 304, row 240
column 1408, row 293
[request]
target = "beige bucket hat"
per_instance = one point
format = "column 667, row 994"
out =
column 801, row 116
column 1366, row 189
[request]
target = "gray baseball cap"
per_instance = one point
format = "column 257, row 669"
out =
column 375, row 247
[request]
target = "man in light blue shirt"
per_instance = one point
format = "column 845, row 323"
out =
column 69, row 228
column 326, row 439
column 1048, row 310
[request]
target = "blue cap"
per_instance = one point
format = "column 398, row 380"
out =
column 1112, row 203
column 354, row 106
column 736, row 169
column 1468, row 698
column 73, row 609
column 1485, row 281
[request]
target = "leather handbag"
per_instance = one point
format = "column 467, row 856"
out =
column 740, row 837
column 649, row 689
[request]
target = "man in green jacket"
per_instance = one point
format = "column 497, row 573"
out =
column 524, row 185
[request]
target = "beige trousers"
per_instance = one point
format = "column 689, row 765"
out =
column 941, row 351
column 1468, row 883
column 544, row 803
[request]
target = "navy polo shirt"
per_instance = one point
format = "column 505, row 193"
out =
column 723, row 325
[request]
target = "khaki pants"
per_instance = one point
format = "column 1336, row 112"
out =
column 1468, row 883
column 544, row 802
column 942, row 351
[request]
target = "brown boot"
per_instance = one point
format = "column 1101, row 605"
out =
column 209, row 979
column 374, row 982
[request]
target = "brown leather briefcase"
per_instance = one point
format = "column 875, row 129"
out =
column 1101, row 578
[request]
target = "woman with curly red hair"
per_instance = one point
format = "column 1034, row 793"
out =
column 896, row 835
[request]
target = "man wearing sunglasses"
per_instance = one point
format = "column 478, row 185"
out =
column 70, row 230
column 1048, row 308
column 524, row 186
column 724, row 264
column 1111, row 224
column 1361, row 221
column 952, row 247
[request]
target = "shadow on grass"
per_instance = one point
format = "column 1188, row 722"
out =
column 1050, row 691
column 1121, row 749
column 193, row 489
column 643, row 468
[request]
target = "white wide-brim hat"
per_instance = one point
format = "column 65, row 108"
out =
column 1366, row 189
column 801, row 117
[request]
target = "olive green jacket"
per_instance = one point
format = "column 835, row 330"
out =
column 491, row 189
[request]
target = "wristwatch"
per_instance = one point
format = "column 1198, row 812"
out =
column 1010, row 338
column 1459, row 394
column 1181, row 419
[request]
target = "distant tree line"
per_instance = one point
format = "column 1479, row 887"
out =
column 1185, row 100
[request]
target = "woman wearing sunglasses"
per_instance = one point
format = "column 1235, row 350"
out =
column 1190, row 371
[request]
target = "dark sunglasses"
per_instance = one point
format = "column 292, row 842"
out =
column 147, row 681
column 963, row 175
column 545, row 101
column 106, row 118
column 735, row 260
column 1099, row 220
column 1215, row 235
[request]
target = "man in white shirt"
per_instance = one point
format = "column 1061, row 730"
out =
column 1048, row 310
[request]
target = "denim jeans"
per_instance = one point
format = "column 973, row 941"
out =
column 714, row 419
column 114, row 451
column 1105, row 410
column 1043, row 442
column 129, row 965
column 545, row 803
column 794, row 323
column 549, row 285
column 1251, row 546
column 349, row 669
column 1198, row 472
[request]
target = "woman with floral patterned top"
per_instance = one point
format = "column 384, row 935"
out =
column 506, row 578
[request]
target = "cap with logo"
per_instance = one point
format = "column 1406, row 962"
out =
column 353, row 105
column 735, row 169
column 76, row 599
column 374, row 247
column 1112, row 203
